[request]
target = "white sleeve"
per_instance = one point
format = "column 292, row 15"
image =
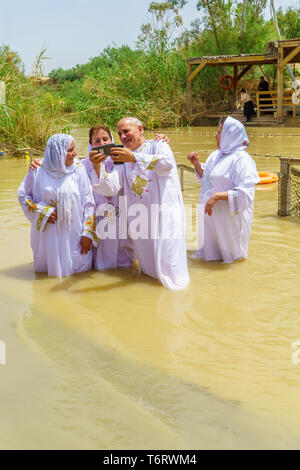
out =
column 204, row 165
column 108, row 184
column 88, row 204
column 198, row 177
column 36, row 213
column 162, row 161
column 245, row 177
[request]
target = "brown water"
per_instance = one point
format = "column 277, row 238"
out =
column 108, row 360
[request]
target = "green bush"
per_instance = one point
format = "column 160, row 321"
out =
column 31, row 113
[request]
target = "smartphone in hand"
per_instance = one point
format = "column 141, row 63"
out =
column 105, row 149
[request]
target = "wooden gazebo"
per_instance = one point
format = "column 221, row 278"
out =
column 279, row 53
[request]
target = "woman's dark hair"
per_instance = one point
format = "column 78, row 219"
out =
column 97, row 128
column 243, row 90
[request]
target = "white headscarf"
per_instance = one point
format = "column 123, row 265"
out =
column 55, row 155
column 233, row 137
column 54, row 164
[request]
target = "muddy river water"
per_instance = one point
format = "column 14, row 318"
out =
column 113, row 360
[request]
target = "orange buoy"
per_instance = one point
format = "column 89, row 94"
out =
column 230, row 84
column 266, row 177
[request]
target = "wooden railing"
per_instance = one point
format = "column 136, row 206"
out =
column 267, row 101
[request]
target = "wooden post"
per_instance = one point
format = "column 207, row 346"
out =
column 235, row 77
column 182, row 178
column 189, row 92
column 279, row 87
column 284, row 201
column 257, row 105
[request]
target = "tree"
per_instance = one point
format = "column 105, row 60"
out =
column 156, row 36
column 243, row 16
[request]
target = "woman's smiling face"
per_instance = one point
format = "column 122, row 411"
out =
column 100, row 137
column 71, row 154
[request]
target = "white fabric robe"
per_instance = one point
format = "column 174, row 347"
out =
column 110, row 252
column 227, row 230
column 58, row 252
column 149, row 184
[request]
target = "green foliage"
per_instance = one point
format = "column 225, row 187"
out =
column 156, row 37
column 128, row 82
column 30, row 114
column 289, row 23
column 219, row 29
column 148, row 82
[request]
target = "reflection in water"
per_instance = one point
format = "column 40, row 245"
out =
column 114, row 360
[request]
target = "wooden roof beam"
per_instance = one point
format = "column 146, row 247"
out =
column 290, row 56
column 255, row 59
column 197, row 70
column 288, row 43
column 244, row 71
column 242, row 60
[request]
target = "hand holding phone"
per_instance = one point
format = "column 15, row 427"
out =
column 105, row 149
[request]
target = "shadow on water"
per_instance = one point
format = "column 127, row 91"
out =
column 208, row 265
column 122, row 277
column 22, row 272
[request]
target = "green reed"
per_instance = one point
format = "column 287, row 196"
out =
column 31, row 114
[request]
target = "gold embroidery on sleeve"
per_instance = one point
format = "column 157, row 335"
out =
column 31, row 206
column 90, row 227
column 153, row 163
column 43, row 214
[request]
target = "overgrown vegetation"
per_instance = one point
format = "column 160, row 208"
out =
column 148, row 81
column 30, row 113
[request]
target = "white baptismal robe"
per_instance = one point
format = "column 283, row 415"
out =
column 110, row 252
column 57, row 250
column 155, row 210
column 227, row 230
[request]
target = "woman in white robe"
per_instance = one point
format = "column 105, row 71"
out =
column 112, row 251
column 57, row 199
column 228, row 188
column 156, row 220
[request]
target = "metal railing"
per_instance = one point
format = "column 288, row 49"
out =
column 289, row 188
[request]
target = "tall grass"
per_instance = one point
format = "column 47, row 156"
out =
column 30, row 114
column 127, row 82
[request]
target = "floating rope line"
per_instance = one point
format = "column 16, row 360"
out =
column 252, row 154
column 250, row 134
